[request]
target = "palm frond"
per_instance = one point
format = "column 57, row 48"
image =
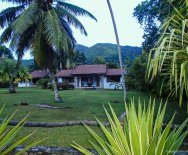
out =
column 53, row 31
column 24, row 42
column 6, row 35
column 75, row 10
column 170, row 55
column 26, row 19
column 68, row 30
column 8, row 15
column 18, row 1
column 71, row 19
column 38, row 42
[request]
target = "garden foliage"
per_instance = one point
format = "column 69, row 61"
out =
column 141, row 134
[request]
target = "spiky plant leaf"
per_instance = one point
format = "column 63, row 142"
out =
column 7, row 136
column 149, row 137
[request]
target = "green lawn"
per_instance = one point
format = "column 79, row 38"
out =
column 77, row 105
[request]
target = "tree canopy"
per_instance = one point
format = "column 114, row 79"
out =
column 150, row 14
column 5, row 52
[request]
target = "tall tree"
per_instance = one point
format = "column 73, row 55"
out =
column 118, row 48
column 43, row 26
column 150, row 14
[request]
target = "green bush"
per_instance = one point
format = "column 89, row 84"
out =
column 140, row 133
column 130, row 83
column 66, row 86
column 4, row 84
column 43, row 83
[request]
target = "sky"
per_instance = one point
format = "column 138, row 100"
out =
column 129, row 30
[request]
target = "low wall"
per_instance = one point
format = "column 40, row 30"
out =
column 45, row 150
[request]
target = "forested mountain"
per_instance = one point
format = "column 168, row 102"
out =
column 28, row 62
column 108, row 52
column 103, row 50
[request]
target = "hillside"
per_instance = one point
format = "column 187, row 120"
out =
column 104, row 50
column 28, row 62
column 108, row 52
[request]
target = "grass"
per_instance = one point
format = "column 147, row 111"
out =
column 77, row 105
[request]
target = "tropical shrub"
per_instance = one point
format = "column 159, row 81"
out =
column 65, row 86
column 141, row 134
column 4, row 84
column 130, row 82
column 7, row 135
column 43, row 83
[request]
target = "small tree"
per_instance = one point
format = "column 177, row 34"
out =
column 9, row 71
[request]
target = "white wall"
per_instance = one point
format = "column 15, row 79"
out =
column 59, row 80
column 107, row 84
column 24, row 84
column 103, row 82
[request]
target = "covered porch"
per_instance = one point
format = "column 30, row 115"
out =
column 88, row 81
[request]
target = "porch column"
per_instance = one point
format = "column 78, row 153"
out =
column 79, row 78
column 102, row 81
column 121, row 80
column 75, row 81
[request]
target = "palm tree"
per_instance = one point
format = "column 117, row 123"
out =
column 118, row 49
column 9, row 71
column 170, row 57
column 44, row 27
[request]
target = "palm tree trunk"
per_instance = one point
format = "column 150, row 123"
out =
column 56, row 94
column 11, row 87
column 118, row 49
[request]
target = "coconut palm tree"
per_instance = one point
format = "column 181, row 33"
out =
column 169, row 58
column 118, row 48
column 43, row 26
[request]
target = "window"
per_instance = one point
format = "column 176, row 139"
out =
column 113, row 79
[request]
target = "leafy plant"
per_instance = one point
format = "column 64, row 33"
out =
column 7, row 135
column 170, row 57
column 43, row 83
column 140, row 134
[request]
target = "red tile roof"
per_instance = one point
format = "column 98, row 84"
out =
column 89, row 69
column 64, row 73
column 114, row 72
column 39, row 73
